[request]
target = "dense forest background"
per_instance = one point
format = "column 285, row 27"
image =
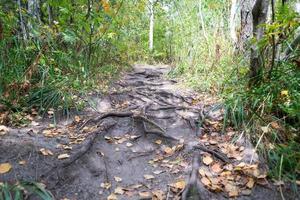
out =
column 55, row 52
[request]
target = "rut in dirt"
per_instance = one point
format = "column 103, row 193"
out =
column 146, row 139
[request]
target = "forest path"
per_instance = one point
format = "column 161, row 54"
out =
column 138, row 143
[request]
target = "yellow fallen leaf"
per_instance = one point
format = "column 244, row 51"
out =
column 158, row 142
column 179, row 184
column 207, row 160
column 216, row 168
column 232, row 190
column 105, row 185
column 119, row 190
column 158, row 195
column 122, row 140
column 118, row 179
column 112, row 197
column 205, row 181
column 46, row 152
column 250, row 183
column 3, row 130
column 77, row 118
column 148, row 177
column 168, row 150
column 22, row 162
column 63, row 156
column 145, row 194
column 5, row 167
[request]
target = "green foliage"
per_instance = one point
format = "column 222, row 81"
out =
column 275, row 99
column 68, row 56
column 284, row 161
column 202, row 52
column 21, row 190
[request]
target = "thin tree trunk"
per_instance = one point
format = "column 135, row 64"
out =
column 22, row 23
column 50, row 17
column 273, row 40
column 151, row 26
column 201, row 19
column 259, row 13
column 232, row 21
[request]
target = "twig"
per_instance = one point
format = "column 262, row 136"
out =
column 141, row 154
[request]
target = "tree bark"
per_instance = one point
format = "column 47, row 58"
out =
column 259, row 13
column 22, row 23
column 246, row 27
column 151, row 26
column 232, row 21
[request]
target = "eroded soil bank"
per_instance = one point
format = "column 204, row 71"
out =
column 139, row 142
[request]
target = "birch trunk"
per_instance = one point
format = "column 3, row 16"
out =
column 151, row 27
column 232, row 21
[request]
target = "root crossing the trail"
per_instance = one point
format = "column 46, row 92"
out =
column 146, row 139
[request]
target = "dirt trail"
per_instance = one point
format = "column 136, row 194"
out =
column 140, row 139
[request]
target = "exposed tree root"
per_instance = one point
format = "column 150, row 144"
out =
column 193, row 188
column 84, row 148
column 217, row 154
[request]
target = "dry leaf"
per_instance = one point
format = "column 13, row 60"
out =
column 77, row 118
column 158, row 195
column 63, row 156
column 158, row 142
column 265, row 129
column 178, row 185
column 22, row 162
column 119, row 190
column 250, row 183
column 148, row 177
column 46, row 152
column 5, row 167
column 105, row 185
column 168, row 151
column 129, row 144
column 158, row 172
column 112, row 197
column 216, row 168
column 118, row 179
column 3, row 130
column 205, row 181
column 136, row 186
column 232, row 190
column 207, row 160
column 122, row 140
column 145, row 194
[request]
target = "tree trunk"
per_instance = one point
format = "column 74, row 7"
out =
column 232, row 21
column 259, row 13
column 22, row 23
column 246, row 27
column 50, row 17
column 151, row 27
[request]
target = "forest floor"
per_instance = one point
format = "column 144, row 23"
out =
column 148, row 138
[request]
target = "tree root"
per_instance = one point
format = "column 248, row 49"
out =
column 217, row 154
column 81, row 152
column 193, row 189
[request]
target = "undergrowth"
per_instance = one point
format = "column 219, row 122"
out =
column 24, row 190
